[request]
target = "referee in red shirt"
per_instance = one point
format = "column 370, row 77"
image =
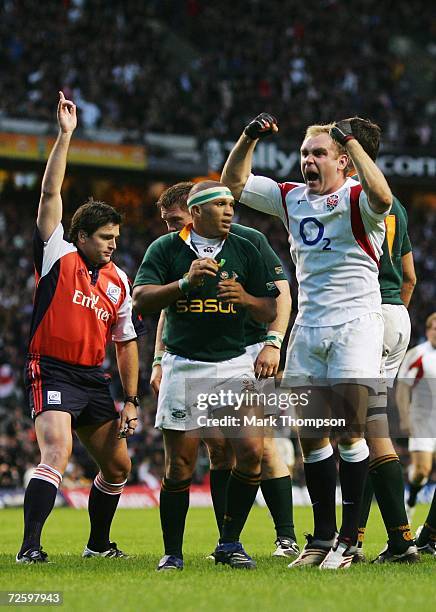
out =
column 82, row 301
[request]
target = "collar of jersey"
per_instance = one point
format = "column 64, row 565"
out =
column 90, row 265
column 317, row 197
column 185, row 235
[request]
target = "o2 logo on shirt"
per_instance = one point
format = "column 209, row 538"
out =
column 312, row 232
column 113, row 292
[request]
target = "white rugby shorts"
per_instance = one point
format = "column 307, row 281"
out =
column 425, row 445
column 325, row 356
column 186, row 385
column 395, row 339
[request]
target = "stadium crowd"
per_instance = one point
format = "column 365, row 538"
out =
column 152, row 57
column 18, row 450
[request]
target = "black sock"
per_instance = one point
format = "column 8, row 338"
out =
column 174, row 504
column 428, row 533
column 353, row 475
column 101, row 509
column 368, row 494
column 38, row 503
column 241, row 493
column 218, row 486
column 277, row 493
column 387, row 479
column 321, row 484
column 414, row 489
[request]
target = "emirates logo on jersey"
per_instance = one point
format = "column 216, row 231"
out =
column 91, row 301
column 332, row 202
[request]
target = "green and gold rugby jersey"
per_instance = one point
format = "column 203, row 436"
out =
column 198, row 326
column 396, row 244
column 254, row 331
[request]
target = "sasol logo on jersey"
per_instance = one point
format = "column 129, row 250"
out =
column 209, row 305
column 332, row 201
column 91, row 301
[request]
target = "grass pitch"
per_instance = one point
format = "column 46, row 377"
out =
column 133, row 584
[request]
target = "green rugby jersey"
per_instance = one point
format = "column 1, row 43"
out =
column 198, row 326
column 395, row 245
column 254, row 331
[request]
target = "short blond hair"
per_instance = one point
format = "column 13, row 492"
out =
column 324, row 128
column 317, row 129
column 429, row 320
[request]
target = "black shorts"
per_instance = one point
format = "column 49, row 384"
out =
column 81, row 391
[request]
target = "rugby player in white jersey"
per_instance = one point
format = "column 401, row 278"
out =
column 336, row 230
column 416, row 400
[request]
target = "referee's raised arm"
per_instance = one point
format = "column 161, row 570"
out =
column 50, row 204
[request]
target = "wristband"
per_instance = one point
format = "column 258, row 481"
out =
column 157, row 358
column 274, row 338
column 184, row 285
column 133, row 399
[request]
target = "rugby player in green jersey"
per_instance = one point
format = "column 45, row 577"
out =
column 263, row 343
column 209, row 281
column 397, row 280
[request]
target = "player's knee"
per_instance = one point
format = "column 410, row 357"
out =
column 249, row 459
column 378, row 447
column 421, row 473
column 348, row 439
column 56, row 457
column 269, row 456
column 117, row 469
column 179, row 468
column 220, row 456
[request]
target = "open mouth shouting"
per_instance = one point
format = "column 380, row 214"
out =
column 312, row 178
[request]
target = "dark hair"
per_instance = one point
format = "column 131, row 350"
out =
column 92, row 215
column 176, row 195
column 367, row 133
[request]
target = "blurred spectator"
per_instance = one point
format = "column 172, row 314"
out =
column 148, row 66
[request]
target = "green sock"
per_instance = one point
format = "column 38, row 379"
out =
column 218, row 486
column 174, row 504
column 387, row 480
column 240, row 496
column 277, row 493
column 428, row 532
column 365, row 509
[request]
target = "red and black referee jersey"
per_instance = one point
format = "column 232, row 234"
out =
column 77, row 308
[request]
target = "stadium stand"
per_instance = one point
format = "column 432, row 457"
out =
column 152, row 59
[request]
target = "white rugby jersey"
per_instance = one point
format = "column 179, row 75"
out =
column 335, row 242
column 418, row 370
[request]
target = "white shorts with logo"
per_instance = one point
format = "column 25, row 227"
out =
column 324, row 356
column 183, row 380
